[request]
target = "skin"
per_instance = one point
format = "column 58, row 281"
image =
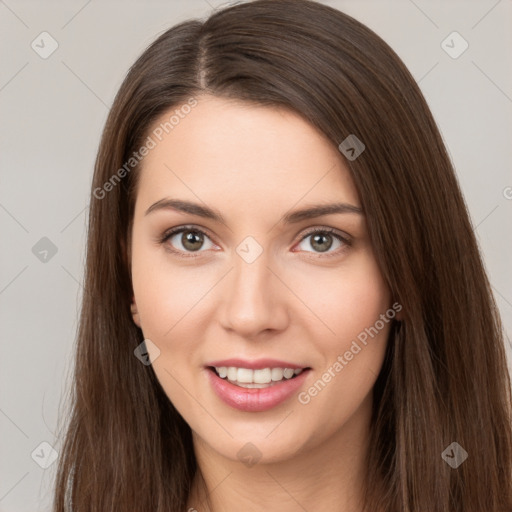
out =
column 294, row 302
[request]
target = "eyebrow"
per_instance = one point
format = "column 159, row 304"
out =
column 310, row 212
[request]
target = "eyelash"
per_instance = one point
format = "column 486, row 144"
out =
column 345, row 240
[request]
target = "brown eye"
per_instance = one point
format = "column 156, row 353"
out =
column 322, row 240
column 191, row 240
column 186, row 240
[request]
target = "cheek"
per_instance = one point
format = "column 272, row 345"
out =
column 356, row 316
column 165, row 297
column 165, row 293
column 345, row 301
column 361, row 302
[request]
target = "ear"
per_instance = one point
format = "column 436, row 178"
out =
column 135, row 312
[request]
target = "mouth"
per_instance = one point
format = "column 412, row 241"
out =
column 256, row 378
column 255, row 386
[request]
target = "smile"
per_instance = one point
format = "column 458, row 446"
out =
column 266, row 385
column 262, row 378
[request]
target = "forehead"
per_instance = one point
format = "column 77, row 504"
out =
column 228, row 152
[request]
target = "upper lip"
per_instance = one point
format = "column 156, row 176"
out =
column 256, row 364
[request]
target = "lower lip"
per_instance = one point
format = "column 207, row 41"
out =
column 255, row 399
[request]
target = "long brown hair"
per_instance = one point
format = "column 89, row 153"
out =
column 445, row 376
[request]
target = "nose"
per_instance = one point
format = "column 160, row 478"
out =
column 255, row 299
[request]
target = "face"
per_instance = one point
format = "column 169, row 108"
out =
column 230, row 272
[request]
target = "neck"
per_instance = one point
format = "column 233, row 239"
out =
column 328, row 476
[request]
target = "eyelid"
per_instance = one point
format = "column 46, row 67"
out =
column 179, row 229
column 343, row 237
column 325, row 229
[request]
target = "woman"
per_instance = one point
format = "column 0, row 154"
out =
column 224, row 361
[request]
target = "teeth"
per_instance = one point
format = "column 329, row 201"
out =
column 255, row 378
column 232, row 373
column 288, row 373
column 277, row 374
column 244, row 375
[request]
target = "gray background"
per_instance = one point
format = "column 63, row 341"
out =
column 53, row 111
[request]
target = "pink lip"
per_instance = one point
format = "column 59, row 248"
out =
column 255, row 365
column 255, row 399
